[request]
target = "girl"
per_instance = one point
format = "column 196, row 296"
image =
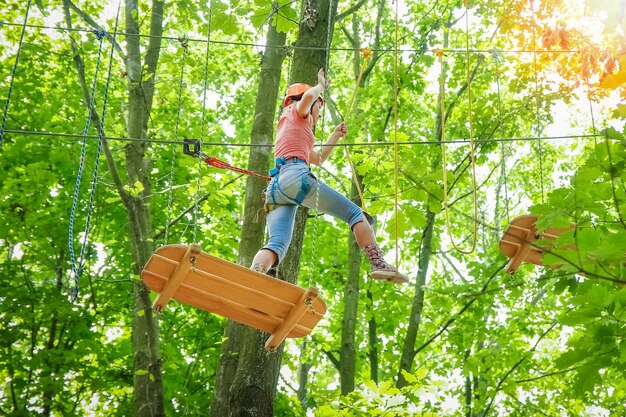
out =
column 293, row 184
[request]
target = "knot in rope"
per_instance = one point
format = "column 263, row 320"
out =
column 288, row 50
column 366, row 52
column 184, row 41
column 100, row 33
column 496, row 55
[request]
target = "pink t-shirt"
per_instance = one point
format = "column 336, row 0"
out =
column 294, row 136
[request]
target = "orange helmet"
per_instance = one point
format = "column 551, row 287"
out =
column 295, row 90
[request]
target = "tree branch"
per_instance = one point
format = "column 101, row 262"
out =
column 291, row 387
column 518, row 363
column 161, row 232
column 352, row 9
column 445, row 256
column 458, row 314
column 564, row 371
column 96, row 26
column 376, row 55
column 80, row 69
column 611, row 176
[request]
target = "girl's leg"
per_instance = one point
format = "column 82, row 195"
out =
column 363, row 234
column 280, row 226
column 264, row 260
column 331, row 202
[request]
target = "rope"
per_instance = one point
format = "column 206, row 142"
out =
column 206, row 76
column 78, row 265
column 537, row 127
column 319, row 167
column 306, row 48
column 77, row 269
column 502, row 147
column 395, row 142
column 472, row 149
column 213, row 161
column 593, row 119
column 13, row 72
column 366, row 55
column 350, row 145
column 184, row 44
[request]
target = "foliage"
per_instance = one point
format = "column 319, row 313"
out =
column 544, row 341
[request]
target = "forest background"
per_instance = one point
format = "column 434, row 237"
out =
column 98, row 97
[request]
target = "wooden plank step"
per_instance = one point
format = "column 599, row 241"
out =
column 193, row 277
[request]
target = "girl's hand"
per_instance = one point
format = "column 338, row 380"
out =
column 341, row 129
column 321, row 79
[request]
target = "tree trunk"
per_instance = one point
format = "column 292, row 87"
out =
column 316, row 25
column 303, row 376
column 242, row 350
column 406, row 360
column 253, row 388
column 148, row 383
column 347, row 363
column 408, row 348
column 347, row 366
column 372, row 337
column 148, row 380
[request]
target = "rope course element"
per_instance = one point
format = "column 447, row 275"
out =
column 351, row 145
column 366, row 56
column 184, row 43
column 329, row 41
column 17, row 59
column 78, row 264
column 395, row 139
column 537, row 127
column 215, row 162
column 202, row 128
column 472, row 148
column 310, row 48
column 497, row 58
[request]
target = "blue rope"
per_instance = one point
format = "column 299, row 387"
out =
column 17, row 59
column 78, row 266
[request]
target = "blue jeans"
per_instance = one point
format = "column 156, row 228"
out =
column 295, row 185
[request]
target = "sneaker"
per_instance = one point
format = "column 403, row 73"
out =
column 259, row 268
column 380, row 268
column 389, row 273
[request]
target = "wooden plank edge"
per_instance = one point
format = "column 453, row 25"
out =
column 291, row 319
column 224, row 307
column 178, row 276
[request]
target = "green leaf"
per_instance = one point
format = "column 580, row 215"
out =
column 570, row 358
column 409, row 377
column 285, row 20
column 586, row 379
column 582, row 315
column 619, row 297
column 611, row 133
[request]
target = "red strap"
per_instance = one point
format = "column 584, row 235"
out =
column 213, row 161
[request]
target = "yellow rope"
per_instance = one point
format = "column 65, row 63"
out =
column 472, row 156
column 366, row 56
column 395, row 139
